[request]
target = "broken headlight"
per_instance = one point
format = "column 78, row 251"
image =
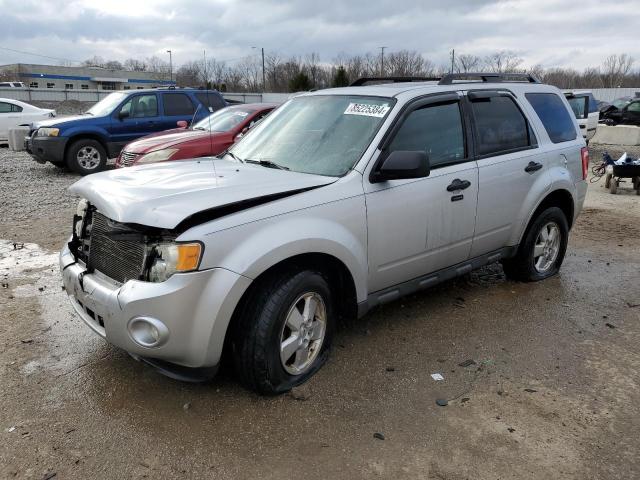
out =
column 169, row 258
column 81, row 211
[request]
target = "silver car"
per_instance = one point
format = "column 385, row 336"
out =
column 341, row 200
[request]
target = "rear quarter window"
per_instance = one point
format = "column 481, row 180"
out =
column 213, row 101
column 554, row 115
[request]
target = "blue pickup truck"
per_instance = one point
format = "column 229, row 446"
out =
column 85, row 142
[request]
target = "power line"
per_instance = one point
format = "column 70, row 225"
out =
column 39, row 55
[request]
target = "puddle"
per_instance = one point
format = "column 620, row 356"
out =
column 32, row 272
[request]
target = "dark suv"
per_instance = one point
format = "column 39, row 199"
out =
column 84, row 142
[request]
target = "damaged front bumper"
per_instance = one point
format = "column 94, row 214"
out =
column 190, row 312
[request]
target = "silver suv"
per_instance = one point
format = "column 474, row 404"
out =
column 339, row 201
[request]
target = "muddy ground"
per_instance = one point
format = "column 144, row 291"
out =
column 553, row 391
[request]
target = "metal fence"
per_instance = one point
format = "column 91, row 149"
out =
column 59, row 95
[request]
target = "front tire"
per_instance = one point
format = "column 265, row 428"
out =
column 284, row 332
column 86, row 156
column 542, row 250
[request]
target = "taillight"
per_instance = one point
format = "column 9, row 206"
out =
column 584, row 153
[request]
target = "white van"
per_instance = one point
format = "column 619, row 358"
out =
column 12, row 85
column 585, row 108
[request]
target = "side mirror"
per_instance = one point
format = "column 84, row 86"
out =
column 403, row 164
column 182, row 124
column 122, row 114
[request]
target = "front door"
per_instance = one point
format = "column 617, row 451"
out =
column 136, row 117
column 421, row 225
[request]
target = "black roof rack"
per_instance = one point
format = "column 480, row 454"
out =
column 365, row 80
column 488, row 77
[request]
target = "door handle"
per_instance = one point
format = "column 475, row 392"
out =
column 458, row 184
column 533, row 167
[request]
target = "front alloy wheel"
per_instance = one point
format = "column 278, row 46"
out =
column 283, row 330
column 303, row 333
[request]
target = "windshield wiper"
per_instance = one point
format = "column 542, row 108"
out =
column 268, row 163
column 232, row 155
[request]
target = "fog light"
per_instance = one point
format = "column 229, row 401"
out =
column 148, row 332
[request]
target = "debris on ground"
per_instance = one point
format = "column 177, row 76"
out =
column 442, row 402
column 378, row 435
column 437, row 377
column 186, row 406
column 464, row 400
column 300, row 394
column 610, row 325
column 390, row 369
column 530, row 390
column 511, row 429
column 467, row 363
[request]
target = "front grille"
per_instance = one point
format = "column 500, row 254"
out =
column 119, row 259
column 127, row 158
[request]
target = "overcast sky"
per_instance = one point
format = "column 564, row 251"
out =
column 548, row 32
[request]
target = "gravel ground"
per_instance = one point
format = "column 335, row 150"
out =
column 552, row 393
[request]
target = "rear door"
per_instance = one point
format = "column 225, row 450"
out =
column 509, row 163
column 9, row 117
column 418, row 226
column 176, row 107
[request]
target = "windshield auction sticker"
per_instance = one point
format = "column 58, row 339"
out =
column 367, row 110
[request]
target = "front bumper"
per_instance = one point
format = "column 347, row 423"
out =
column 195, row 307
column 46, row 149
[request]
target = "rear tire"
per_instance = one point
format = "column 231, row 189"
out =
column 277, row 343
column 543, row 247
column 86, row 156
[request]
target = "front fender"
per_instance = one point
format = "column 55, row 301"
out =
column 337, row 229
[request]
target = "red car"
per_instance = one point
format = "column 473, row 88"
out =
column 210, row 136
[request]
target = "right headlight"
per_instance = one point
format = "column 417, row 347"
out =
column 48, row 132
column 170, row 258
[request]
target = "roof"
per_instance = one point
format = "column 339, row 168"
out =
column 416, row 88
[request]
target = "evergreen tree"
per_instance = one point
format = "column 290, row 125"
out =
column 340, row 79
column 300, row 83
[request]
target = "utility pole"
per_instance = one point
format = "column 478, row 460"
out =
column 382, row 61
column 204, row 67
column 453, row 58
column 170, row 66
column 264, row 82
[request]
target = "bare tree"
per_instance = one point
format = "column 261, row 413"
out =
column 465, row 63
column 615, row 68
column 134, row 65
column 504, row 61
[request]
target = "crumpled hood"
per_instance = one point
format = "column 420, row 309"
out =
column 164, row 140
column 164, row 194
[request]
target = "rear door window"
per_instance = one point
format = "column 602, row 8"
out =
column 554, row 116
column 436, row 130
column 500, row 125
column 5, row 107
column 176, row 104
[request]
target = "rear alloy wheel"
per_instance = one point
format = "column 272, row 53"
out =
column 283, row 334
column 86, row 156
column 542, row 249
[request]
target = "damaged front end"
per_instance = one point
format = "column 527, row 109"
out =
column 125, row 251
